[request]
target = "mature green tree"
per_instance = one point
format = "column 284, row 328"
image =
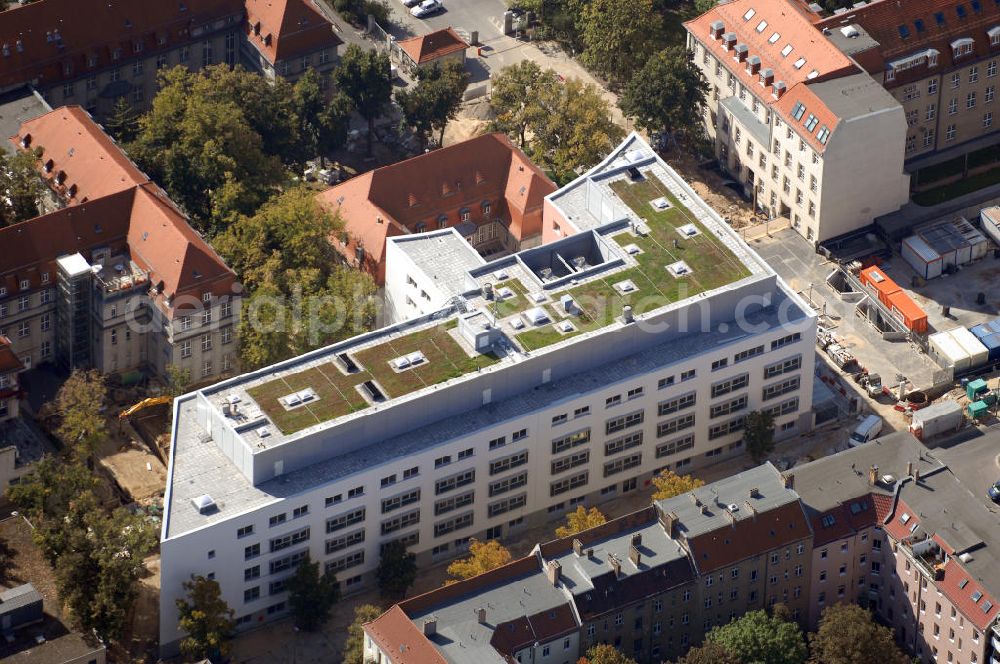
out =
column 397, row 570
column 80, row 405
column 758, row 435
column 354, row 647
column 667, row 94
column 435, row 100
column 577, row 132
column 515, row 99
column 201, row 146
column 178, row 380
column 848, row 635
column 702, row 6
column 123, row 123
column 311, row 595
column 483, row 556
column 618, row 37
column 206, row 620
column 6, row 560
column 709, row 653
column 364, row 76
column 761, row 639
column 302, row 295
column 323, row 124
column 45, row 496
column 605, row 653
column 20, row 186
column 580, row 520
column 101, row 565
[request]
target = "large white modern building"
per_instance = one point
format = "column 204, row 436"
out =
column 564, row 374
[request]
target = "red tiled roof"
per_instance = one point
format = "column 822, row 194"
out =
column 283, row 29
column 85, row 163
column 883, row 506
column 8, row 358
column 433, row 45
column 951, row 586
column 130, row 213
column 44, row 38
column 771, row 28
column 398, row 637
column 895, row 526
column 883, row 21
column 393, row 199
column 513, row 635
column 749, row 536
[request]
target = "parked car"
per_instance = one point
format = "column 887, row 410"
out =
column 410, row 3
column 994, row 492
column 427, row 8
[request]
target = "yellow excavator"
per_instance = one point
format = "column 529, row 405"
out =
column 142, row 405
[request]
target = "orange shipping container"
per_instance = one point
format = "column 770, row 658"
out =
column 875, row 280
column 906, row 310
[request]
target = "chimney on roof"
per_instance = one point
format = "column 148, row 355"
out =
column 729, row 40
column 788, row 480
column 705, row 510
column 909, row 469
column 633, row 553
column 778, row 89
column 695, row 499
column 577, row 547
column 616, row 565
column 716, row 29
column 637, row 539
column 553, row 572
column 669, row 522
column 753, row 64
column 873, row 475
column 742, row 51
column 481, row 615
column 766, row 76
column 754, row 492
column 751, row 508
column 916, row 474
column 430, row 626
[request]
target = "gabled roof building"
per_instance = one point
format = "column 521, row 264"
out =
column 93, row 52
column 889, row 525
column 116, row 279
column 811, row 135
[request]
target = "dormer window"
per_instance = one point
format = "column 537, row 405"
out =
column 91, row 61
column 116, row 54
column 962, row 47
column 26, row 141
column 60, row 177
column 49, row 165
column 994, row 35
column 137, row 47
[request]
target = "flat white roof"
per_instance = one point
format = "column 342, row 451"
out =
column 74, row 265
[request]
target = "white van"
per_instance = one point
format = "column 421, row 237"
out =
column 867, row 430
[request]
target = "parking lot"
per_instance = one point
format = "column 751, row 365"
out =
column 805, row 271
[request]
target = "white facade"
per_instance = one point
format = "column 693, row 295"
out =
column 485, row 453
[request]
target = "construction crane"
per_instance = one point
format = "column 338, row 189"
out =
column 142, row 405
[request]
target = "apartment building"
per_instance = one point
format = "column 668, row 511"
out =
column 93, row 52
column 485, row 187
column 10, row 367
column 939, row 62
column 651, row 583
column 115, row 279
column 810, row 135
column 564, row 374
column 889, row 525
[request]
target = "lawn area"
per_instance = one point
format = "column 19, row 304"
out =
column 338, row 394
column 337, row 397
column 958, row 188
column 511, row 305
column 712, row 264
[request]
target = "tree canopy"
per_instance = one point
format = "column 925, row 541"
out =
column 123, row 123
column 605, row 653
column 200, row 142
column 354, row 647
column 667, row 94
column 364, row 76
column 483, row 556
column 322, row 124
column 514, row 99
column 618, row 37
column 397, row 570
column 311, row 595
column 760, row 638
column 669, row 484
column 20, row 186
column 435, row 100
column 580, row 520
column 710, row 653
column 302, row 295
column 206, row 620
column 80, row 405
column 847, row 634
column 758, row 435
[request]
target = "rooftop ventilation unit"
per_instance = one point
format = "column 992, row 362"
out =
column 298, row 398
column 679, row 269
column 204, row 504
column 537, row 316
column 850, row 31
column 688, row 230
column 631, row 249
column 660, row 203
